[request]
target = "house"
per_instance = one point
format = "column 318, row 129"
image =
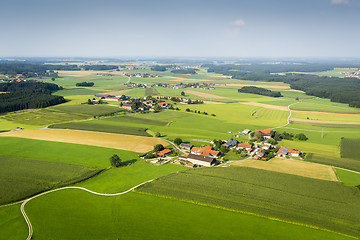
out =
column 190, row 165
column 113, row 99
column 245, row 132
column 186, row 146
column 266, row 146
column 231, row 143
column 164, row 104
column 259, row 155
column 284, row 151
column 164, row 152
column 266, row 133
column 245, row 145
column 95, row 101
column 199, row 160
column 205, row 151
column 127, row 106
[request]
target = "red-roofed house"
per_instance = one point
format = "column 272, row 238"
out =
column 265, row 132
column 164, row 152
column 164, row 104
column 205, row 151
column 245, row 145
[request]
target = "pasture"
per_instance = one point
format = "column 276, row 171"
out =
column 12, row 223
column 84, row 155
column 346, row 163
column 348, row 178
column 350, row 148
column 326, row 204
column 92, row 110
column 115, row 141
column 21, row 178
column 293, row 167
column 137, row 216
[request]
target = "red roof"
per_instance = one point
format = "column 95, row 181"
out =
column 162, row 103
column 205, row 151
column 165, row 151
column 266, row 131
column 244, row 145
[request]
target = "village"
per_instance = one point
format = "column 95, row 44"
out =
column 258, row 147
column 204, row 86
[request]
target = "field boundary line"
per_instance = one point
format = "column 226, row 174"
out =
column 248, row 213
column 22, row 207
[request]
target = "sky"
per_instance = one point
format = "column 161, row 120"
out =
column 186, row 28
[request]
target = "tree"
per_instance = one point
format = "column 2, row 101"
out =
column 115, row 161
column 178, row 141
column 189, row 101
column 188, row 109
column 158, row 147
column 182, row 93
column 52, row 79
column 301, row 137
column 157, row 134
column 89, row 101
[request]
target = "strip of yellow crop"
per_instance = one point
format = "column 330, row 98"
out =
column 247, row 213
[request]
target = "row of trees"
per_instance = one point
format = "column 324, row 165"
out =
column 185, row 71
column 85, row 84
column 260, row 91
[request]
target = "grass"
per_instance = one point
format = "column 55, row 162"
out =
column 84, row 155
column 21, row 178
column 138, row 216
column 89, row 126
column 350, row 148
column 12, row 223
column 151, row 92
column 93, row 110
column 308, row 147
column 42, row 117
column 348, row 178
column 326, row 204
column 347, row 163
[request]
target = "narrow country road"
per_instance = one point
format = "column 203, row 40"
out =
column 22, row 207
column 288, row 119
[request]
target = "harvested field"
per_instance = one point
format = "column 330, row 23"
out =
column 268, row 106
column 327, row 113
column 204, row 95
column 294, row 167
column 109, row 140
column 299, row 120
column 212, row 102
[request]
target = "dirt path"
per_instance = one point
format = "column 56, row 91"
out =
column 28, row 222
column 204, row 95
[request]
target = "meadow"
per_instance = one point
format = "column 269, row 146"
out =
column 92, row 110
column 326, row 204
column 348, row 178
column 346, row 163
column 12, row 223
column 350, row 148
column 21, row 178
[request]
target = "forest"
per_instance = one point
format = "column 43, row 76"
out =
column 85, row 84
column 260, row 91
column 29, row 94
column 184, row 71
column 342, row 90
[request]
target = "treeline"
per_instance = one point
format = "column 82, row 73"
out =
column 260, row 91
column 162, row 68
column 99, row 67
column 85, row 84
column 342, row 90
column 185, row 71
column 25, row 95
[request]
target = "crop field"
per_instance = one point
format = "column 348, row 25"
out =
column 116, row 141
column 93, row 110
column 42, row 117
column 92, row 126
column 288, row 166
column 346, row 163
column 348, row 178
column 326, row 204
column 350, row 148
column 151, row 92
column 132, row 216
column 307, row 147
column 12, row 223
column 91, row 156
column 21, row 178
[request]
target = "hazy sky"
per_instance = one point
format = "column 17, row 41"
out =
column 236, row 28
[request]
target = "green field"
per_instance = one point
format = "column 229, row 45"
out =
column 346, row 163
column 12, row 223
column 21, row 178
column 151, row 92
column 326, row 204
column 103, row 128
column 42, row 117
column 84, row 155
column 92, row 110
column 349, row 178
column 350, row 148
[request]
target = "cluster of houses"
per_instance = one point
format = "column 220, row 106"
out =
column 14, row 78
column 140, row 75
column 351, row 74
column 206, row 86
column 202, row 156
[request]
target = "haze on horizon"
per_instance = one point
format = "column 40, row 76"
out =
column 228, row 28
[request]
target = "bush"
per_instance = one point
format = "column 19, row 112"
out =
column 158, row 147
column 157, row 134
column 178, row 141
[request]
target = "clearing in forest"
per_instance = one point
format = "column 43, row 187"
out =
column 298, row 168
column 109, row 140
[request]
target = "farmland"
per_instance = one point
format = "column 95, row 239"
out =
column 347, row 163
column 122, row 142
column 21, row 178
column 92, row 110
column 350, row 148
column 277, row 195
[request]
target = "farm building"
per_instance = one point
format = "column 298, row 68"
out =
column 186, row 146
column 102, row 95
column 245, row 145
column 127, row 106
column 245, row 132
column 199, row 160
column 266, row 133
column 163, row 104
column 284, row 151
column 231, row 143
column 113, row 99
column 164, row 152
column 205, row 151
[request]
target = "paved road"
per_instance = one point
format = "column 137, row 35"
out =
column 288, row 119
column 22, row 207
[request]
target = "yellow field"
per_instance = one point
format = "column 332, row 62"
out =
column 294, row 167
column 268, row 106
column 109, row 140
column 205, row 95
column 299, row 120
